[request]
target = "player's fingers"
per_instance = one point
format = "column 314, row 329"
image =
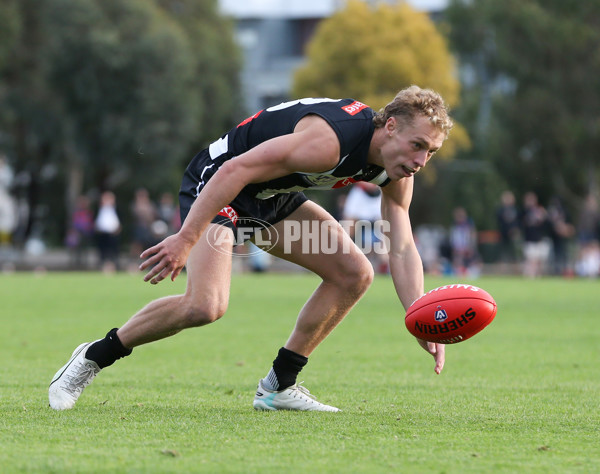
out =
column 440, row 358
column 164, row 269
column 155, row 270
column 432, row 348
column 176, row 273
column 151, row 261
column 151, row 251
column 161, row 276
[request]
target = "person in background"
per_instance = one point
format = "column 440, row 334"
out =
column 80, row 231
column 588, row 238
column 588, row 222
column 561, row 232
column 535, row 227
column 509, row 228
column 463, row 243
column 362, row 208
column 144, row 215
column 8, row 211
column 108, row 228
column 166, row 211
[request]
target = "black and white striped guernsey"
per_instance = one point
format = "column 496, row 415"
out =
column 351, row 120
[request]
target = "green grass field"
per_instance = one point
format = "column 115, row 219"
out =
column 522, row 396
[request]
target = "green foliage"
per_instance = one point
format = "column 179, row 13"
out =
column 372, row 52
column 522, row 396
column 534, row 63
column 217, row 64
column 9, row 30
column 125, row 85
column 112, row 93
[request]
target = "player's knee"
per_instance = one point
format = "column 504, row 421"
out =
column 357, row 275
column 203, row 313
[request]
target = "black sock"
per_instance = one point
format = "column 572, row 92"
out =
column 106, row 351
column 287, row 366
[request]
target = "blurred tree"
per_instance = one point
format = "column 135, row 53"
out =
column 217, row 64
column 111, row 93
column 122, row 76
column 371, row 52
column 531, row 95
column 9, row 30
column 28, row 122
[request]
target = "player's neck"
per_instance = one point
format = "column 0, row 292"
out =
column 374, row 156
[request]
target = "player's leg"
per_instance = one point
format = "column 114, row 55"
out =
column 205, row 300
column 346, row 274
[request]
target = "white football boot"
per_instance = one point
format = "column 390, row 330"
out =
column 295, row 397
column 70, row 380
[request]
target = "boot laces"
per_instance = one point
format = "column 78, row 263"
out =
column 82, row 375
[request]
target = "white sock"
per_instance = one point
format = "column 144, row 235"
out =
column 270, row 382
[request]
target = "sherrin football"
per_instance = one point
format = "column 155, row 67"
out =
column 450, row 314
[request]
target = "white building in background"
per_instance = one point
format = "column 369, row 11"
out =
column 273, row 34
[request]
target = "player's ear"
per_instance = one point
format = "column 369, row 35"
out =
column 391, row 125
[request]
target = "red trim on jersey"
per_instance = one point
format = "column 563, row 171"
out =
column 249, row 119
column 354, row 108
column 230, row 213
column 344, row 182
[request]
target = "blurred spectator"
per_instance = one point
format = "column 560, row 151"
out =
column 167, row 212
column 430, row 240
column 507, row 219
column 588, row 260
column 588, row 238
column 108, row 228
column 8, row 211
column 588, row 221
column 144, row 215
column 463, row 244
column 8, row 217
column 81, row 230
column 362, row 208
column 259, row 261
column 536, row 233
column 6, row 173
column 337, row 208
column 561, row 231
column 23, row 185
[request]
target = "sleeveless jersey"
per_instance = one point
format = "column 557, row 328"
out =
column 352, row 122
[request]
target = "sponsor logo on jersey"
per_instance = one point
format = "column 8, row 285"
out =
column 230, row 213
column 354, row 108
column 249, row 119
column 344, row 182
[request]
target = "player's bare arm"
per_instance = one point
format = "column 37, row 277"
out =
column 312, row 147
column 406, row 266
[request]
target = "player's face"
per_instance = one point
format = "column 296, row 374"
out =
column 408, row 147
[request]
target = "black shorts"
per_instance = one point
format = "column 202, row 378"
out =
column 245, row 214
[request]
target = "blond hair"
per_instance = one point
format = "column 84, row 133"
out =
column 412, row 102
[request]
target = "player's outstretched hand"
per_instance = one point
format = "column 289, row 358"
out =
column 165, row 258
column 437, row 350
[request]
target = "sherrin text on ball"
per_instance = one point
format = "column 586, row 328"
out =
column 450, row 314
